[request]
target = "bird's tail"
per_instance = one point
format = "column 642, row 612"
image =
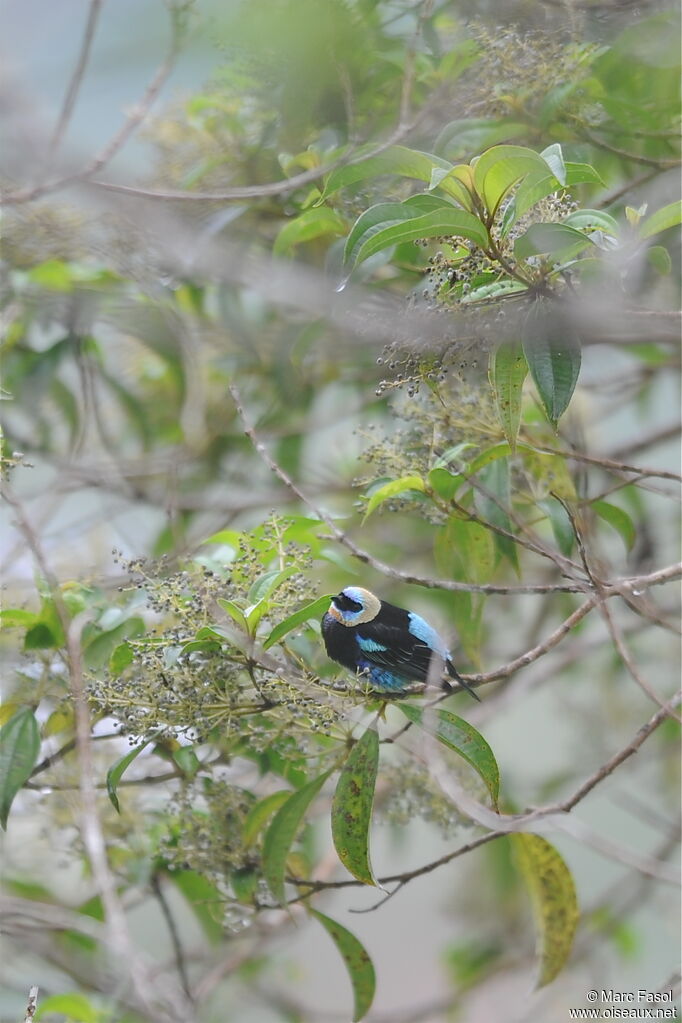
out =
column 452, row 671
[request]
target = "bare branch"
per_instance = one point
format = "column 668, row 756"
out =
column 76, row 80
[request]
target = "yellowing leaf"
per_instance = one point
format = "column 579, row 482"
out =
column 553, row 897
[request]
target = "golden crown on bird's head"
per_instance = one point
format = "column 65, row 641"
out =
column 369, row 606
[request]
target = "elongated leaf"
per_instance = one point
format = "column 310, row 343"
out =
column 261, row 812
column 313, row 223
column 19, row 748
column 315, row 609
column 117, row 770
column 461, row 737
column 457, row 183
column 282, row 831
column 619, row 519
column 554, row 901
column 661, row 220
column 474, row 134
column 594, row 220
column 494, row 290
column 392, row 489
column 659, row 257
column 266, row 584
column 560, row 523
column 550, row 238
column 358, row 963
column 554, row 158
column 493, row 504
column 539, row 184
column 554, row 363
column 352, row 807
column 408, row 163
column 234, row 612
column 378, row 228
column 204, row 898
column 508, row 369
column 501, row 167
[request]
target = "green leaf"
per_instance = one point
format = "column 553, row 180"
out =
column 554, row 363
column 389, row 224
column 16, row 617
column 444, row 483
column 493, row 505
column 448, row 456
column 101, row 647
column 19, row 749
column 313, row 223
column 201, row 895
column 508, row 369
column 661, row 220
column 408, row 163
column 554, row 901
column 352, row 807
column 315, row 609
column 121, row 657
column 659, row 257
column 39, row 637
column 261, row 812
column 73, row 1005
column 560, row 523
column 392, row 489
column 593, row 220
column 117, row 770
column 550, row 238
column 282, row 831
column 494, row 290
column 358, row 963
column 234, row 612
column 619, row 519
column 501, row 167
column 474, row 134
column 244, row 884
column 267, row 583
column 53, row 274
column 554, row 158
column 187, row 760
column 539, row 184
column 461, row 737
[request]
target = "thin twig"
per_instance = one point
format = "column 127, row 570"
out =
column 178, row 952
column 76, row 80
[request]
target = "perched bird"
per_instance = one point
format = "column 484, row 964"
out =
column 390, row 646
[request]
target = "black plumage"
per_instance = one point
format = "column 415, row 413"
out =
column 389, row 645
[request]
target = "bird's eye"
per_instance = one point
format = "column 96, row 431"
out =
column 345, row 603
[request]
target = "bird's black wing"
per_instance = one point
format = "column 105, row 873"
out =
column 395, row 648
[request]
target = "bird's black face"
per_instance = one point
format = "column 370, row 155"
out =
column 346, row 603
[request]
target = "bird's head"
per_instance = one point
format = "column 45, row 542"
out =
column 354, row 605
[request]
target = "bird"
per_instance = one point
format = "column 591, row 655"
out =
column 390, row 646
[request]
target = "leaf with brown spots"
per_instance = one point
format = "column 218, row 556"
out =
column 352, row 807
column 358, row 963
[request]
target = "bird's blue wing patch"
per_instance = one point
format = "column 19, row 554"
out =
column 370, row 645
column 427, row 634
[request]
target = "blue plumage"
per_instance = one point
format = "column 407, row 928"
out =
column 390, row 646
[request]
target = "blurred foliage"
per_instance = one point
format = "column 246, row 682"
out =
column 480, row 171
